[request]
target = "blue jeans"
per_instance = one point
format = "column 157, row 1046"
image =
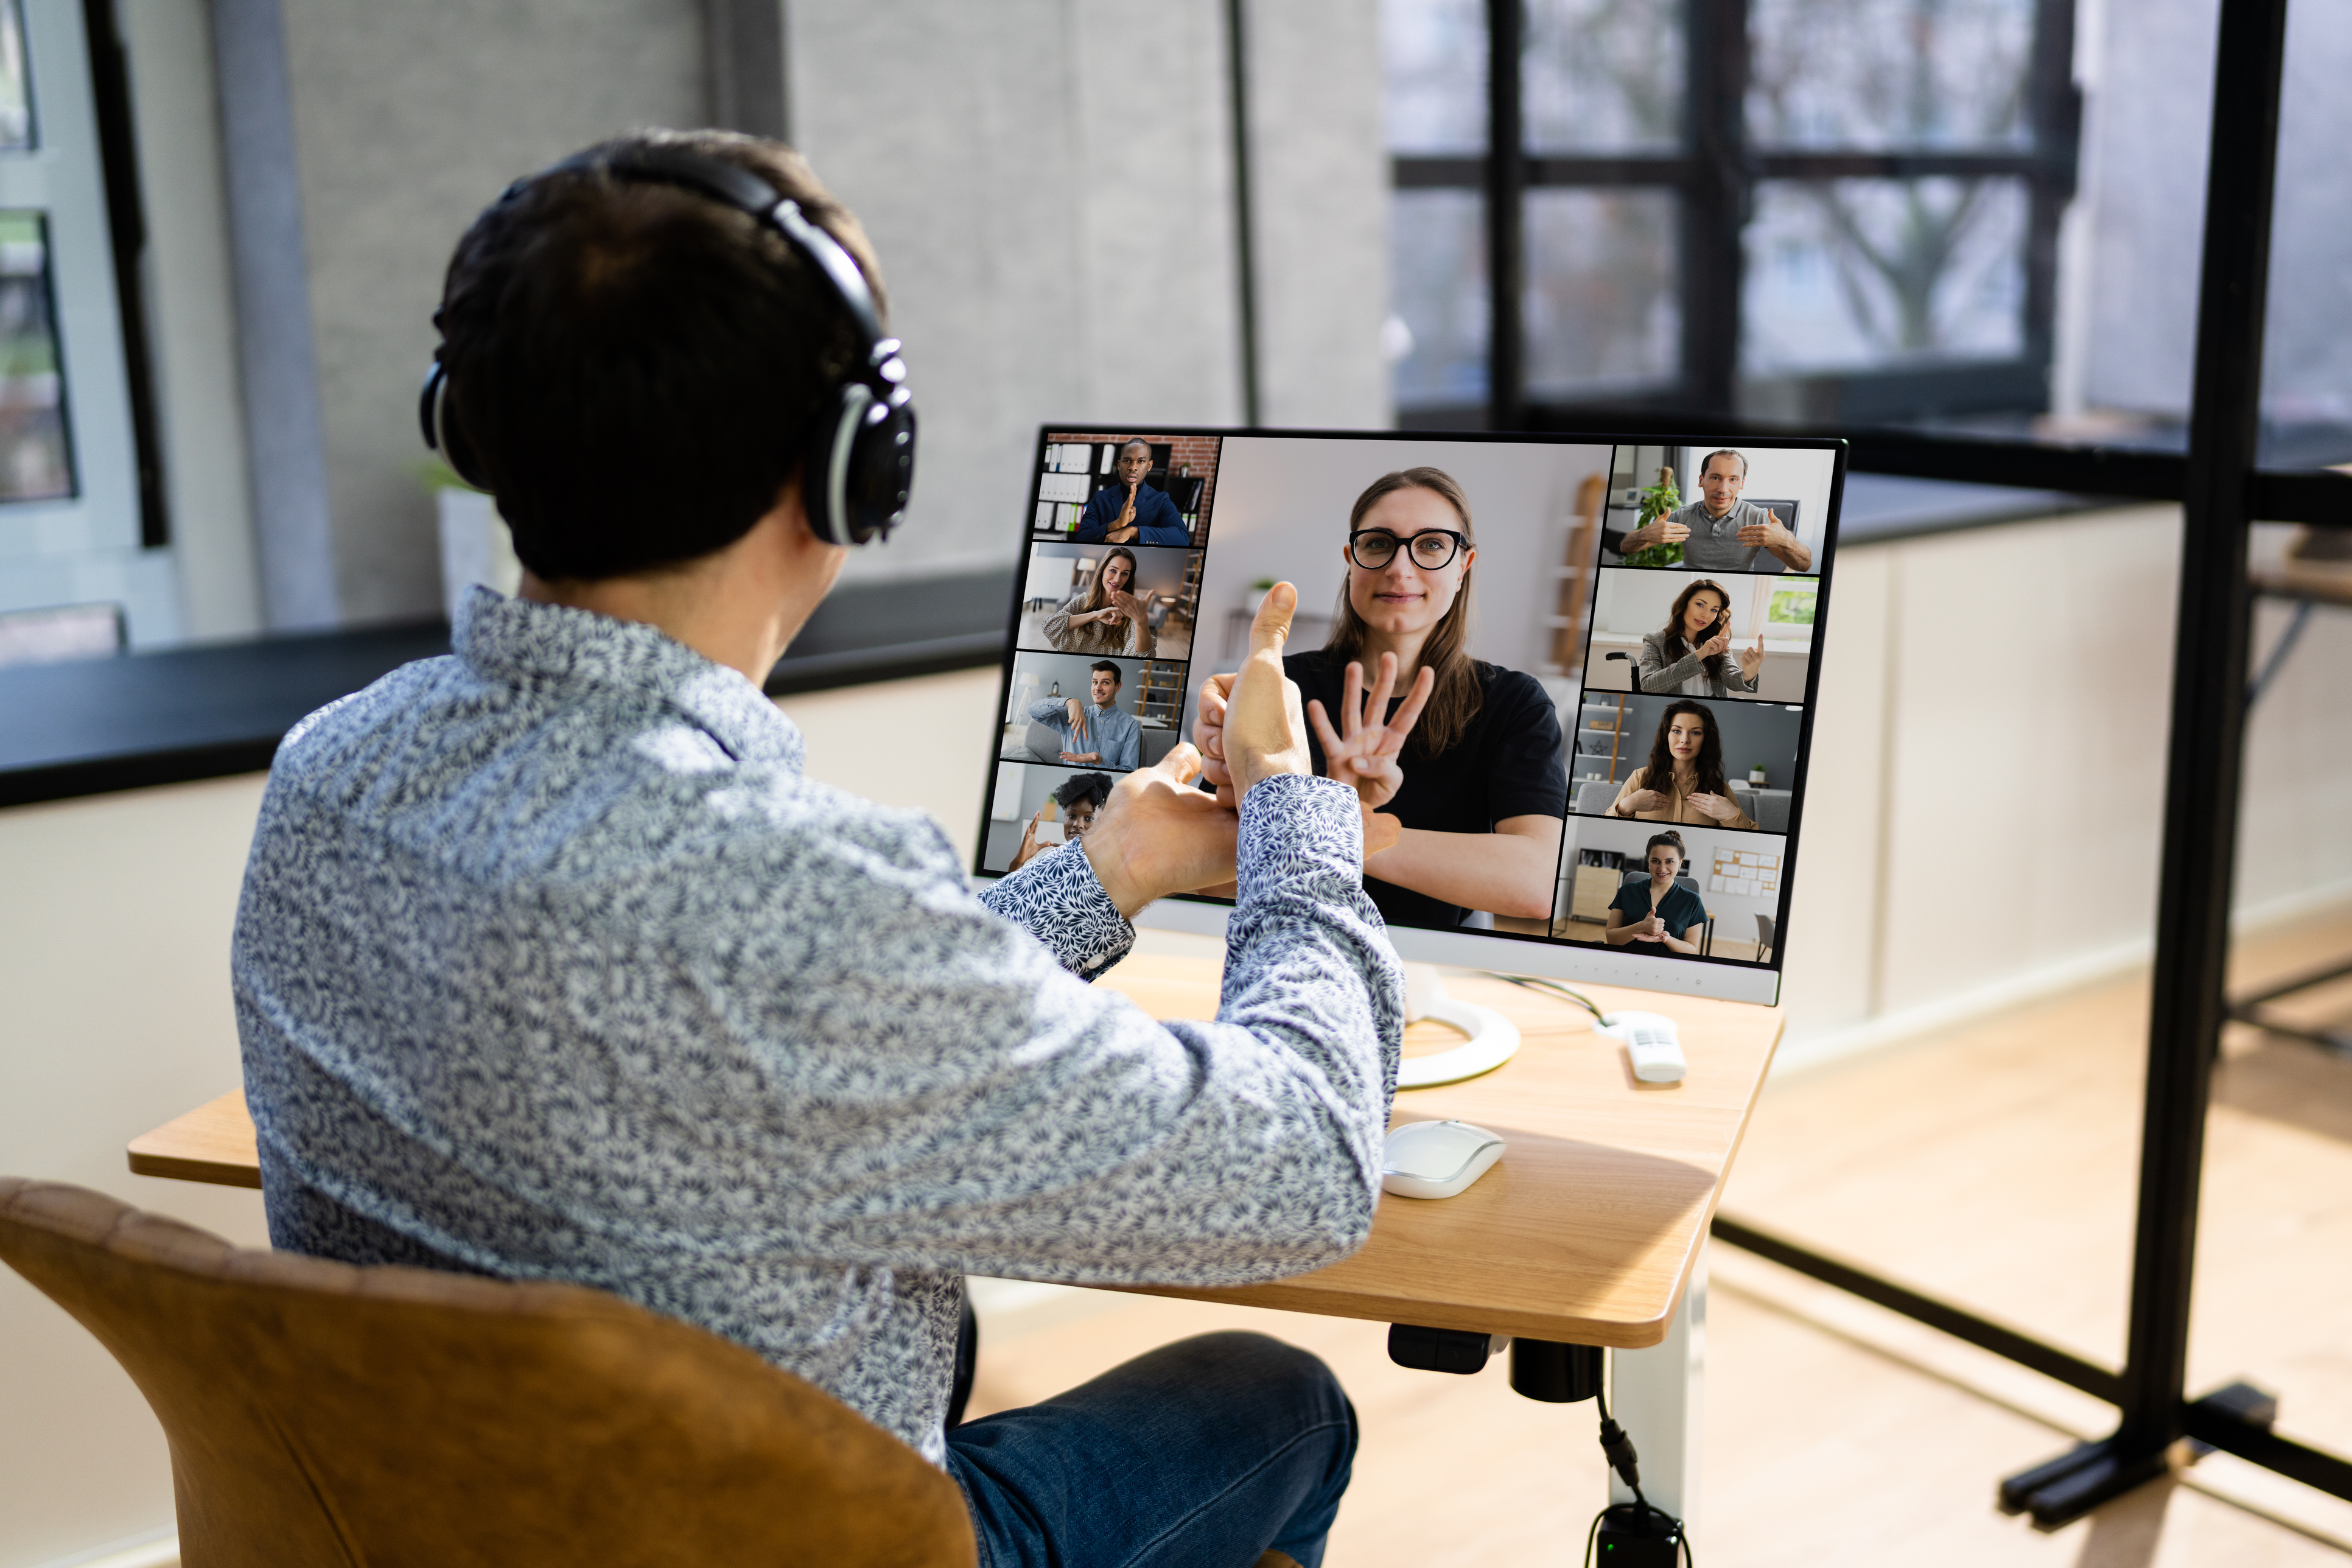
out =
column 1202, row 1454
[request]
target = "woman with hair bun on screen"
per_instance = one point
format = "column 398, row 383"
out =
column 1104, row 617
column 1688, row 657
column 1464, row 754
column 1659, row 916
column 1683, row 781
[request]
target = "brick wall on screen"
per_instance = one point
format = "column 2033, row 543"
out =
column 1199, row 454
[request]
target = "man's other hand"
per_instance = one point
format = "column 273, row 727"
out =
column 1265, row 730
column 1157, row 834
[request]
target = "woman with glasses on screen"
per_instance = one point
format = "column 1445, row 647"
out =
column 1467, row 759
column 1106, row 616
column 1659, row 916
column 1687, row 657
column 1684, row 780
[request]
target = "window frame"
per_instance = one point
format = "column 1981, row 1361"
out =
column 1714, row 177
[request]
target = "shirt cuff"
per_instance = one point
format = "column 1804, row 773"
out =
column 1057, row 900
column 1294, row 824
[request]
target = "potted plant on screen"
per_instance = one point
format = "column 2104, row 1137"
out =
column 1658, row 501
column 1755, row 775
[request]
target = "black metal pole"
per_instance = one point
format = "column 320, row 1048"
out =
column 1245, row 226
column 2208, row 696
column 1506, row 184
column 2201, row 776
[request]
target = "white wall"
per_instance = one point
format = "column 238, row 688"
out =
column 1990, row 748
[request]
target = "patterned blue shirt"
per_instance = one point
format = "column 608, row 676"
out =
column 549, row 963
column 1111, row 733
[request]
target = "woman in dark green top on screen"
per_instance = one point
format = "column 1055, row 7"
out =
column 1657, row 917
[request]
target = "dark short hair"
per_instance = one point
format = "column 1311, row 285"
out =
column 637, row 367
column 1105, row 663
column 1094, row 788
column 1135, row 441
column 1724, row 452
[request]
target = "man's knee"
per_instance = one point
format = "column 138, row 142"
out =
column 1274, row 1372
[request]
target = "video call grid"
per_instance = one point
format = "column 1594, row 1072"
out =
column 1771, row 841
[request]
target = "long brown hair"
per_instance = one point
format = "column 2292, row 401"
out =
column 1094, row 589
column 1706, row 768
column 1677, row 645
column 1459, row 692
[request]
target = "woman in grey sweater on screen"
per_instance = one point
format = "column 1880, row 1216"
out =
column 1688, row 657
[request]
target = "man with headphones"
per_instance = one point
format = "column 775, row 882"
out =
column 551, row 964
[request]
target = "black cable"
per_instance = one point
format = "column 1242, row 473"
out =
column 1617, row 1447
column 1554, row 988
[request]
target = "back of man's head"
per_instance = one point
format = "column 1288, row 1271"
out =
column 638, row 368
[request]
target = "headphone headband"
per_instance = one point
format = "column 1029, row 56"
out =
column 858, row 467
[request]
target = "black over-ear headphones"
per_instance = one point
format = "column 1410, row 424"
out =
column 860, row 461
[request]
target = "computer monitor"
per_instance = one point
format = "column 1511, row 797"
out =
column 1628, row 607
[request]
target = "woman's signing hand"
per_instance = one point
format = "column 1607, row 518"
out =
column 1643, row 800
column 1716, row 806
column 1751, row 661
column 1365, row 751
column 1715, row 645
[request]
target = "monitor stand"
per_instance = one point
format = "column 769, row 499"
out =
column 1493, row 1039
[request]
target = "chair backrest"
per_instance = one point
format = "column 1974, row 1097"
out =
column 1763, row 938
column 1595, row 797
column 323, row 1414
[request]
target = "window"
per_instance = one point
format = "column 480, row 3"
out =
column 1783, row 208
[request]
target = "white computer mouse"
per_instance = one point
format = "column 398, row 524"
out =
column 1652, row 1041
column 1437, row 1159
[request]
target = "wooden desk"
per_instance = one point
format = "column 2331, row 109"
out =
column 1589, row 1231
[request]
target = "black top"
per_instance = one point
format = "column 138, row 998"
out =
column 1681, row 909
column 1507, row 763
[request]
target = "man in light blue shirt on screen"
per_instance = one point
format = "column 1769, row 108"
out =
column 1094, row 732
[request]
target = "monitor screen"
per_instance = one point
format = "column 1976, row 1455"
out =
column 1608, row 781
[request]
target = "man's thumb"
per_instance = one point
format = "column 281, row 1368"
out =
column 1272, row 627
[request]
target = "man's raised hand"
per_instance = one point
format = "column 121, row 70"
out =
column 1365, row 751
column 1157, row 834
column 1261, row 731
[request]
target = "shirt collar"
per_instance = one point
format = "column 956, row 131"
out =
column 517, row 642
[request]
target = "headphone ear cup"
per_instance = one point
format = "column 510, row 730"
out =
column 442, row 432
column 882, row 467
column 824, row 476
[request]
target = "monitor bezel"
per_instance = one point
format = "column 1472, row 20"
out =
column 1741, row 980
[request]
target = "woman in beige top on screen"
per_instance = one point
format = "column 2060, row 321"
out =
column 1104, row 617
column 1683, row 781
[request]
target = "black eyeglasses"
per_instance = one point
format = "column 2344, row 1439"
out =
column 1373, row 548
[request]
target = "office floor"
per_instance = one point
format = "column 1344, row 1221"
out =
column 1992, row 1164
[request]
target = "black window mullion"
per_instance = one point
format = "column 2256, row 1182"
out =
column 1506, row 166
column 2055, row 106
column 1714, row 206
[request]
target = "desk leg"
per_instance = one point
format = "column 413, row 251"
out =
column 1654, row 1394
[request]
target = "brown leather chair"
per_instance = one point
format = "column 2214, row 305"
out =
column 322, row 1414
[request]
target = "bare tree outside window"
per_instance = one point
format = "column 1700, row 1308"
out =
column 1923, row 268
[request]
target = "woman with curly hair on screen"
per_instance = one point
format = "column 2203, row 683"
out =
column 1684, row 779
column 1079, row 796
